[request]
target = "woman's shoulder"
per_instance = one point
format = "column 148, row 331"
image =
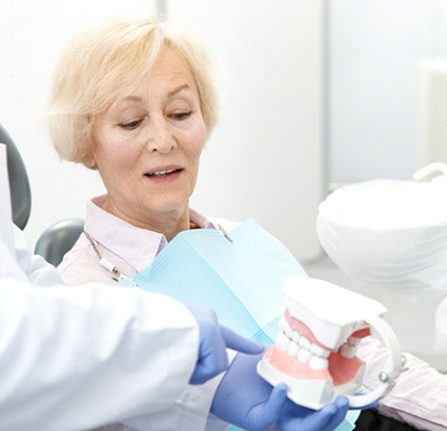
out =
column 80, row 265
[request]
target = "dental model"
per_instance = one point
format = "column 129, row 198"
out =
column 315, row 352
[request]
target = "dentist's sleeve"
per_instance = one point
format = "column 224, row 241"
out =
column 36, row 269
column 65, row 352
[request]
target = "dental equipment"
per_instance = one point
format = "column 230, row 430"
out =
column 315, row 352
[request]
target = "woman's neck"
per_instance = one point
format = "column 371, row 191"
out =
column 168, row 223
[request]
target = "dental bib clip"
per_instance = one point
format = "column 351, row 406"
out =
column 316, row 351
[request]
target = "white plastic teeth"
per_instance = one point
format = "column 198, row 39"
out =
column 301, row 348
column 349, row 348
column 285, row 327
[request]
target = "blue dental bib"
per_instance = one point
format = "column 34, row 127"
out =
column 240, row 276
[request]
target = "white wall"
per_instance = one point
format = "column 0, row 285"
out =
column 374, row 50
column 264, row 160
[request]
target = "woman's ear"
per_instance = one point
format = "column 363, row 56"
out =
column 90, row 161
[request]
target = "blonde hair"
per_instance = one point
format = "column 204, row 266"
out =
column 107, row 61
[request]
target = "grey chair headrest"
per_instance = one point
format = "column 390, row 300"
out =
column 18, row 181
column 59, row 238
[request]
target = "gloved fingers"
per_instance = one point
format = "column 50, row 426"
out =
column 339, row 408
column 276, row 400
column 237, row 342
column 268, row 413
column 205, row 370
column 212, row 357
column 325, row 419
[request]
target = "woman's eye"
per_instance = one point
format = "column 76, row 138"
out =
column 131, row 124
column 181, row 115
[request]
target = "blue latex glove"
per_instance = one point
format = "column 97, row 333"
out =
column 245, row 399
column 214, row 339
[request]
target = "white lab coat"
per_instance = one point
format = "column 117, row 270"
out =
column 75, row 358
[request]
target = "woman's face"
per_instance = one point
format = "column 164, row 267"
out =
column 147, row 145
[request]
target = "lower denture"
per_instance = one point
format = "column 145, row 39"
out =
column 292, row 367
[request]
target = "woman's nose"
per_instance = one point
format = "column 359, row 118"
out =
column 160, row 138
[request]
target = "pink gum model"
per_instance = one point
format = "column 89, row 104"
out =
column 315, row 352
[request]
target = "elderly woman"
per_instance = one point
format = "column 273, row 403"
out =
column 136, row 101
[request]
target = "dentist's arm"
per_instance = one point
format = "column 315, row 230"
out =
column 63, row 351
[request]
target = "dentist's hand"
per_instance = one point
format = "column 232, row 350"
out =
column 214, row 339
column 244, row 399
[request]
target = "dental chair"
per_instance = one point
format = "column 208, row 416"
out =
column 18, row 181
column 58, row 238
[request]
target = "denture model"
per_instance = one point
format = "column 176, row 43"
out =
column 315, row 352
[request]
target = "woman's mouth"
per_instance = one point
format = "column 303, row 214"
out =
column 163, row 173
